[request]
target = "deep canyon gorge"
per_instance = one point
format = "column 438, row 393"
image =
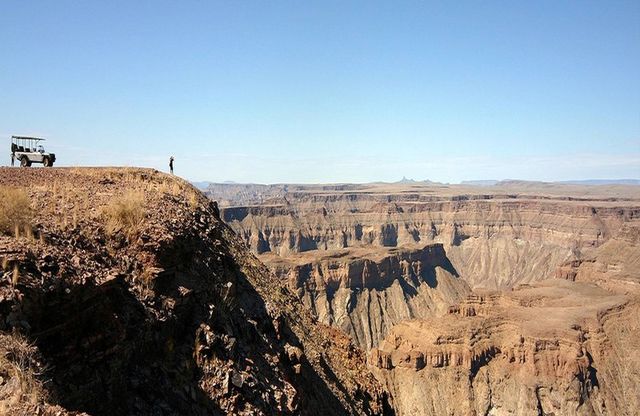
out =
column 129, row 291
column 518, row 298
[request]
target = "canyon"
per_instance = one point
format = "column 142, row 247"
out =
column 515, row 298
column 129, row 291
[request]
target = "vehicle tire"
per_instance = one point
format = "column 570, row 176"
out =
column 46, row 162
column 24, row 162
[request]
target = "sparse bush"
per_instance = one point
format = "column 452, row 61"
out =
column 193, row 199
column 125, row 214
column 19, row 364
column 15, row 210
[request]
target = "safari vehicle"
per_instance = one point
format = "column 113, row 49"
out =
column 28, row 150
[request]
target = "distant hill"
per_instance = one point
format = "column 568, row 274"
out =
column 487, row 182
column 201, row 185
column 406, row 180
column 516, row 182
column 603, row 182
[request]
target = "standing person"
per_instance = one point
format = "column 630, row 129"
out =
column 171, row 164
column 13, row 159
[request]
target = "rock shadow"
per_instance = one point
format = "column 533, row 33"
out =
column 108, row 355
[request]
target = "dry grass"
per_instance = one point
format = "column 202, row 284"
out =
column 15, row 210
column 15, row 277
column 193, row 199
column 125, row 214
column 20, row 390
column 170, row 186
column 118, row 175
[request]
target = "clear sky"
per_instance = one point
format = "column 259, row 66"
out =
column 329, row 91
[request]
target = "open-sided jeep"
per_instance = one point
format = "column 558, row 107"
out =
column 28, row 150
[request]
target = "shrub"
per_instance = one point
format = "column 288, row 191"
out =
column 15, row 209
column 19, row 366
column 125, row 214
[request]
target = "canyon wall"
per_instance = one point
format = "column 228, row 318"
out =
column 566, row 346
column 365, row 296
column 520, row 299
column 494, row 240
column 517, row 354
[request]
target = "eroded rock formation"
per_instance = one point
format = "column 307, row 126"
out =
column 559, row 346
column 495, row 240
column 513, row 342
column 365, row 295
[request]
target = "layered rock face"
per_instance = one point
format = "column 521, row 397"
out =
column 567, row 346
column 493, row 335
column 365, row 295
column 122, row 292
column 495, row 240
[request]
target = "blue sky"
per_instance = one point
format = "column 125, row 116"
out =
column 329, row 91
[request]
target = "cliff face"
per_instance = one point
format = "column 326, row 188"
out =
column 494, row 240
column 320, row 238
column 542, row 349
column 365, row 296
column 449, row 289
column 139, row 300
column 566, row 346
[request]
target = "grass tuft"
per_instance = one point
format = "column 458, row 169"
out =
column 15, row 210
column 21, row 390
column 15, row 278
column 125, row 214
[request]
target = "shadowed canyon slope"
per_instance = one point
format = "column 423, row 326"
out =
column 500, row 300
column 123, row 293
column 364, row 292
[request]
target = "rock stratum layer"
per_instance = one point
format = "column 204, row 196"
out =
column 123, row 293
column 317, row 237
column 496, row 237
column 365, row 293
column 555, row 347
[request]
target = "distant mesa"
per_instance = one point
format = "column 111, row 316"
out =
column 603, row 182
column 518, row 182
column 483, row 182
column 201, row 185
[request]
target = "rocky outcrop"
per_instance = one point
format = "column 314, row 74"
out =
column 139, row 300
column 614, row 265
column 365, row 296
column 523, row 355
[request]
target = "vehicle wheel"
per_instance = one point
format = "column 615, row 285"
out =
column 24, row 162
column 46, row 162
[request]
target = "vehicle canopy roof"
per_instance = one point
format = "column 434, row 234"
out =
column 38, row 139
